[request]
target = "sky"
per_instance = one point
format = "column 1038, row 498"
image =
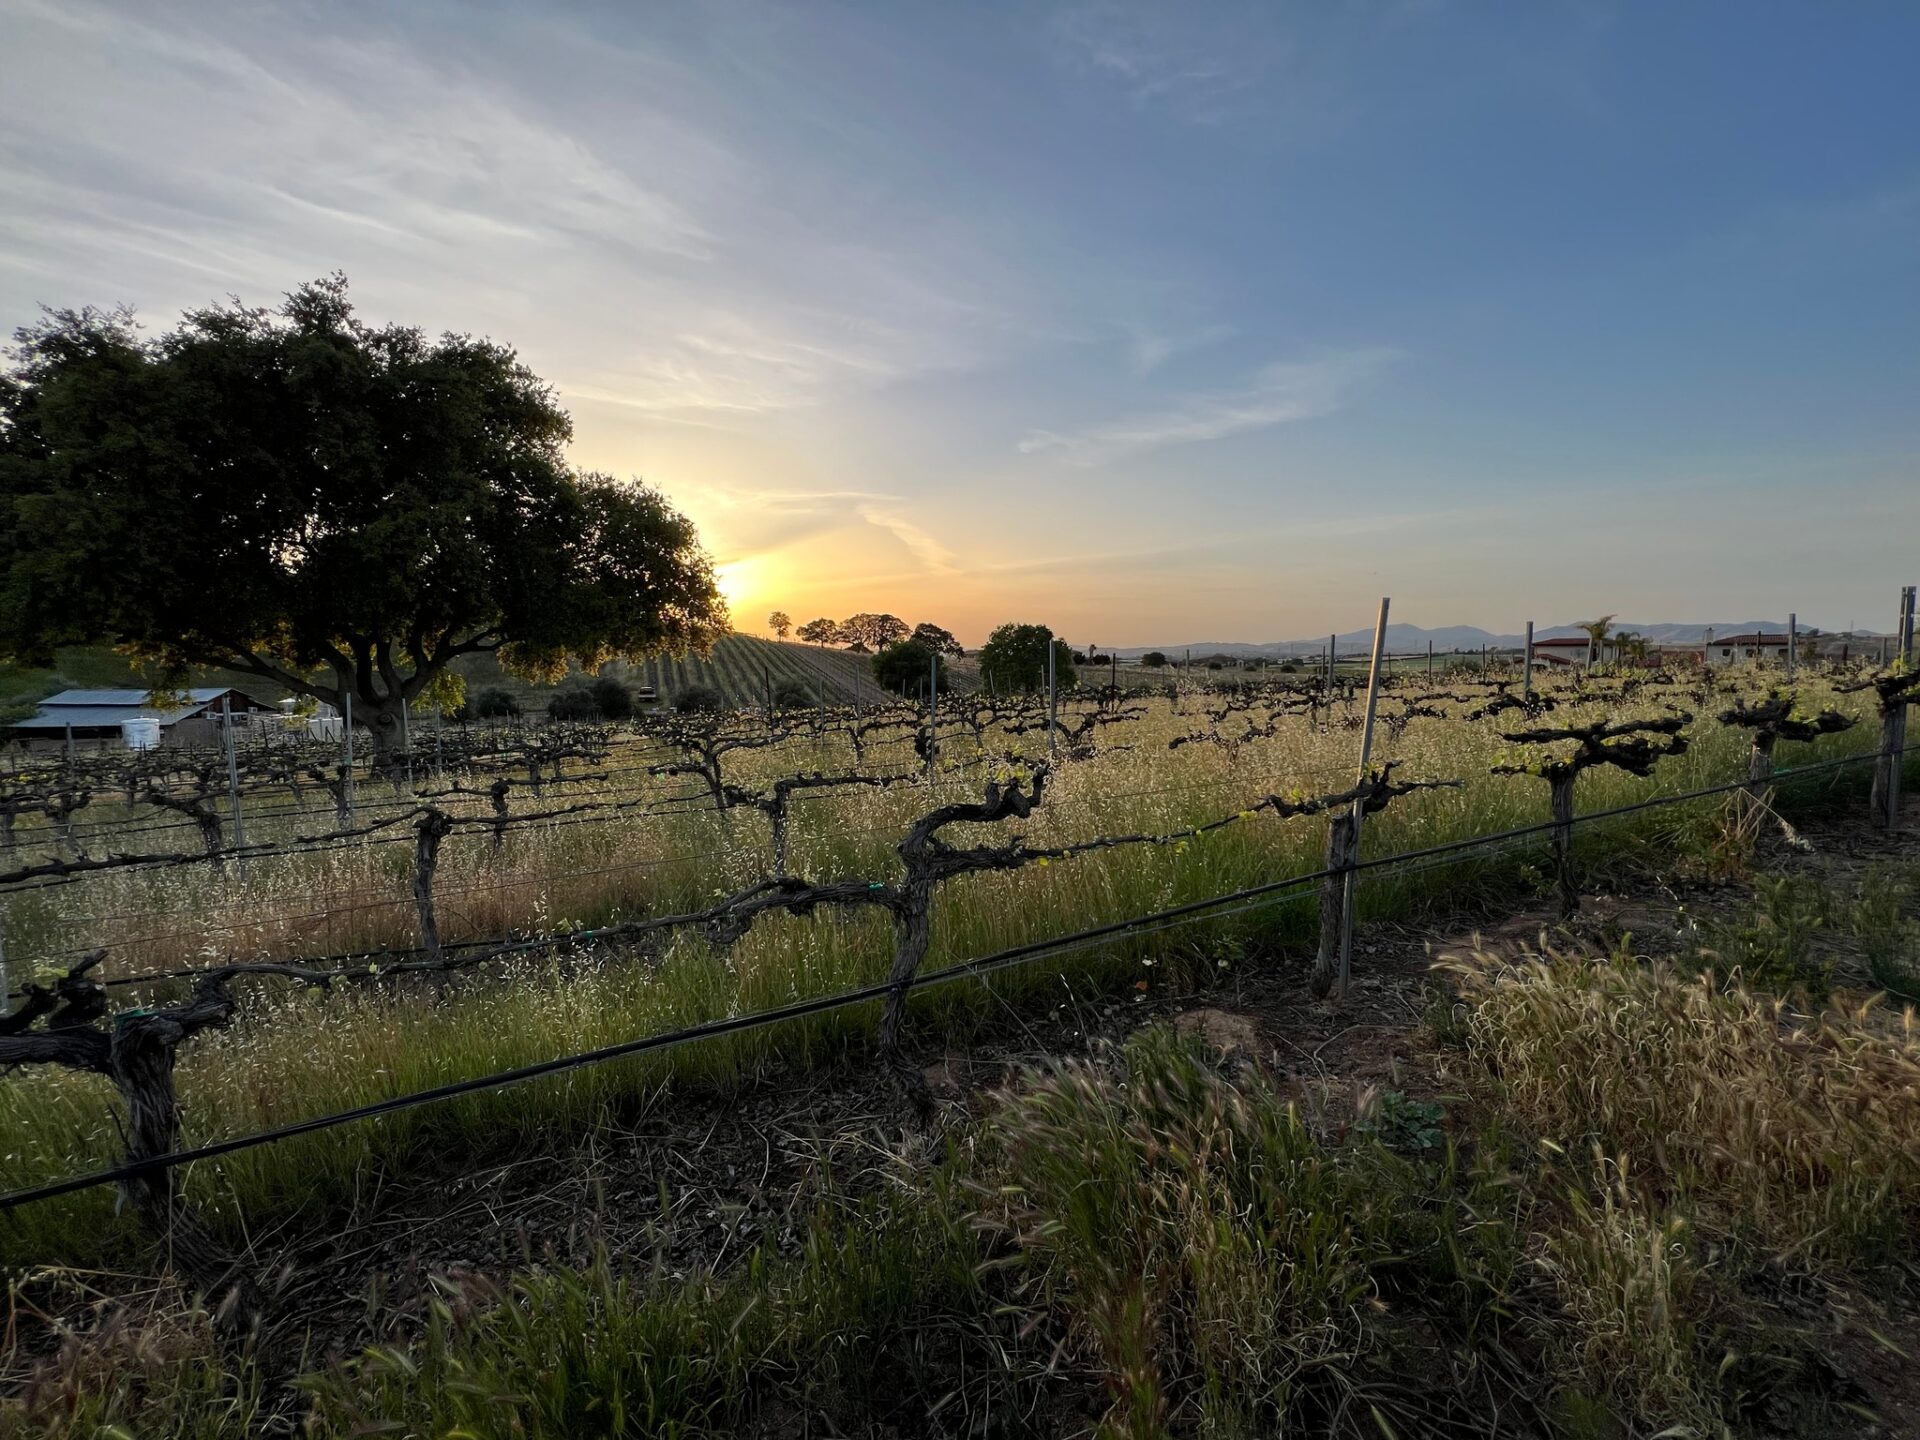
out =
column 1155, row 323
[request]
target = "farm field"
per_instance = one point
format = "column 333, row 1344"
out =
column 593, row 885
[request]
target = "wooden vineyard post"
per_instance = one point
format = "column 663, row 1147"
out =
column 1341, row 853
column 1793, row 641
column 1526, row 668
column 1350, row 881
column 1896, row 689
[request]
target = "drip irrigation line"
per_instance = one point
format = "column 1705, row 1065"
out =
column 753, row 1020
column 482, row 885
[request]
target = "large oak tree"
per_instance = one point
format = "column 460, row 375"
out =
column 336, row 508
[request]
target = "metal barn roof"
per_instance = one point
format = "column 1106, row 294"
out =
column 105, row 709
column 202, row 696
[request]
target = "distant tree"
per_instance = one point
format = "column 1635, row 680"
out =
column 903, row 668
column 699, row 700
column 821, row 632
column 936, row 638
column 780, row 623
column 1154, row 660
column 614, row 698
column 1597, row 632
column 574, row 702
column 492, row 703
column 340, row 510
column 873, row 632
column 1015, row 658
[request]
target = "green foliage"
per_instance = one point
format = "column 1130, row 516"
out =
column 1154, row 659
column 937, row 638
column 699, row 700
column 1015, row 658
column 821, row 632
column 904, row 668
column 1401, row 1123
column 794, row 695
column 575, row 702
column 614, row 699
column 780, row 623
column 493, row 703
column 1887, row 936
column 297, row 494
column 1774, row 946
column 875, row 632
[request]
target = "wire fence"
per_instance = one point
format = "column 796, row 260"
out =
column 1211, row 908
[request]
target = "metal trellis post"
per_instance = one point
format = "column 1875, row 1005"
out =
column 1352, row 885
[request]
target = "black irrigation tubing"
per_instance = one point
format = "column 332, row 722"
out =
column 753, row 1020
column 1271, row 892
column 658, row 862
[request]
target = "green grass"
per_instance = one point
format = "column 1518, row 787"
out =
column 1145, row 1243
column 295, row 1055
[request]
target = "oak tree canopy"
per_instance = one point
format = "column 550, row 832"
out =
column 333, row 507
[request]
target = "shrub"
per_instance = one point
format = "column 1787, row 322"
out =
column 794, row 695
column 613, row 698
column 493, row 703
column 904, row 668
column 574, row 702
column 699, row 700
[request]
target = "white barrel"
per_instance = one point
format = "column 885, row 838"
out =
column 142, row 732
column 325, row 727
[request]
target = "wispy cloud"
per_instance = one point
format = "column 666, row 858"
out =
column 1277, row 394
column 1158, row 56
column 1150, row 347
column 570, row 180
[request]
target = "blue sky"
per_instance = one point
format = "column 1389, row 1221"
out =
column 1154, row 322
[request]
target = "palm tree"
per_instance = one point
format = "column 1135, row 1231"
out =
column 1597, row 631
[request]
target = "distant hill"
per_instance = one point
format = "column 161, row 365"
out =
column 742, row 666
column 1412, row 639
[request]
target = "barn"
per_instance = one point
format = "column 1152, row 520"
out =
column 100, row 719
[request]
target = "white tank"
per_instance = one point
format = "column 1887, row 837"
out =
column 142, row 732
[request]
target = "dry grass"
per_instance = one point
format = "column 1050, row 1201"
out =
column 1801, row 1129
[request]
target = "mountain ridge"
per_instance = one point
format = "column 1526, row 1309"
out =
column 1402, row 638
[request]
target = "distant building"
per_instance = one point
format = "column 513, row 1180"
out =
column 1755, row 647
column 106, row 718
column 1571, row 650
